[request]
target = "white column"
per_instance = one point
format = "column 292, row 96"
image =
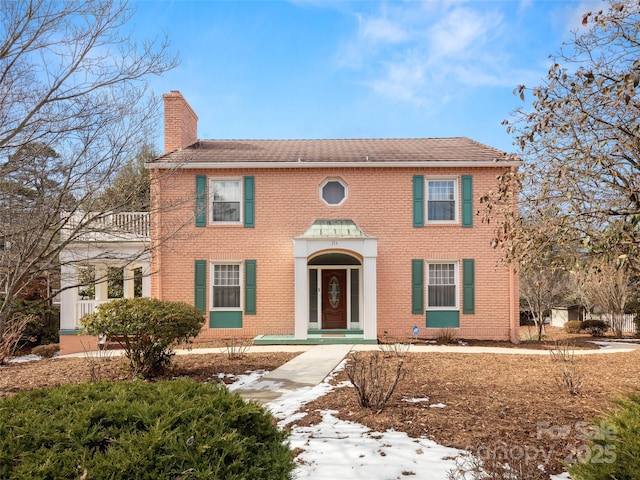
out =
column 301, row 295
column 68, row 297
column 129, row 285
column 370, row 314
column 102, row 288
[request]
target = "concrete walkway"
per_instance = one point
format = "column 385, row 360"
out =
column 306, row 370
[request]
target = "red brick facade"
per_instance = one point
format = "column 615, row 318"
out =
column 379, row 202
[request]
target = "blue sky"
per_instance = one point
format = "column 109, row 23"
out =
column 338, row 69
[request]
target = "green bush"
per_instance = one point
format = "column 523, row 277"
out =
column 573, row 326
column 613, row 451
column 145, row 328
column 597, row 328
column 139, row 430
column 44, row 324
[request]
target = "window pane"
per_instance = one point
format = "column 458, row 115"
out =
column 441, row 200
column 226, row 286
column 333, row 192
column 441, row 211
column 442, row 296
column 225, row 201
column 442, row 285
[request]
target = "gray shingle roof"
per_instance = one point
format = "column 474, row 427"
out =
column 365, row 151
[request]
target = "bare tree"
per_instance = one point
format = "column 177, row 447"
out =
column 580, row 139
column 542, row 287
column 75, row 106
column 609, row 287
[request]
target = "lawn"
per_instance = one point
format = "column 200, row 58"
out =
column 506, row 402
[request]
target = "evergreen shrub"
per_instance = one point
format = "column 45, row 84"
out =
column 139, row 430
column 146, row 328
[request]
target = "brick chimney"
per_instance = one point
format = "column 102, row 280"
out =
column 180, row 122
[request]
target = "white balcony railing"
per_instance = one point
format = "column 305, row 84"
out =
column 107, row 226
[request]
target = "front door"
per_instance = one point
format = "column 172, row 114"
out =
column 334, row 299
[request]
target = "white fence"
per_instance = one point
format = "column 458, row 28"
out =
column 628, row 325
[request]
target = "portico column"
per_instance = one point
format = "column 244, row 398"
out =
column 301, row 295
column 370, row 303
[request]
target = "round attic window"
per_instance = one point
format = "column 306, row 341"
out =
column 333, row 192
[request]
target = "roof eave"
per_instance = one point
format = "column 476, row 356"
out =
column 303, row 164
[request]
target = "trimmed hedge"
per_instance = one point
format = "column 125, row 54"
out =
column 139, row 430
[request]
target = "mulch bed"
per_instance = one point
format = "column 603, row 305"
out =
column 508, row 401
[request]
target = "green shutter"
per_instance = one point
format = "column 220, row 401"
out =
column 418, row 201
column 201, row 201
column 201, row 285
column 250, row 287
column 417, row 286
column 249, row 202
column 467, row 201
column 468, row 286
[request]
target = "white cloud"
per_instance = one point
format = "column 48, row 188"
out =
column 380, row 30
column 463, row 31
column 423, row 53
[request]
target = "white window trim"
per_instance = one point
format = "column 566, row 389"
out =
column 456, row 273
column 341, row 182
column 210, row 191
column 456, row 206
column 211, row 285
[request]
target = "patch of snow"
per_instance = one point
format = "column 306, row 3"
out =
column 416, row 400
column 336, row 448
column 437, row 405
column 561, row 476
column 25, row 358
column 246, row 379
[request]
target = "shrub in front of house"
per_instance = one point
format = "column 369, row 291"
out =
column 613, row 450
column 597, row 328
column 573, row 326
column 139, row 430
column 145, row 328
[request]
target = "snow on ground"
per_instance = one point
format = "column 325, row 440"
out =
column 24, row 358
column 337, row 448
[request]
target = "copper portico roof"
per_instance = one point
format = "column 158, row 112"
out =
column 460, row 151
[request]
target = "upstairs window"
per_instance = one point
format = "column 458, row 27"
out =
column 226, row 201
column 441, row 200
column 333, row 192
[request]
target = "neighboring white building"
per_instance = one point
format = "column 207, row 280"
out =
column 112, row 260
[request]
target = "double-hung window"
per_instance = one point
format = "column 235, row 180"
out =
column 226, row 286
column 226, row 200
column 442, row 286
column 441, row 200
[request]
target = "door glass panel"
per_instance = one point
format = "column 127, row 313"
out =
column 313, row 295
column 333, row 291
column 355, row 296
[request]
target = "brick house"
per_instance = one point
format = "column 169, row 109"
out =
column 328, row 240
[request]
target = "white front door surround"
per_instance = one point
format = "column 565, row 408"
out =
column 364, row 247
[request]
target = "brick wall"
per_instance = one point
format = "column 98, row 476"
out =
column 180, row 122
column 287, row 202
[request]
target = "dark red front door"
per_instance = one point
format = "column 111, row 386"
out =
column 334, row 299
